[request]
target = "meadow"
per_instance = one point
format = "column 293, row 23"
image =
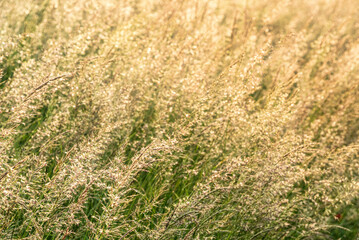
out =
column 179, row 119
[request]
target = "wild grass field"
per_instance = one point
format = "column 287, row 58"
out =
column 179, row 119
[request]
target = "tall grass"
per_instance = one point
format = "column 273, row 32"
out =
column 180, row 119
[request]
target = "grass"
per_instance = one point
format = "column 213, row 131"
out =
column 179, row 119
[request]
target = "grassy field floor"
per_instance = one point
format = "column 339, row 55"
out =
column 179, row 119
